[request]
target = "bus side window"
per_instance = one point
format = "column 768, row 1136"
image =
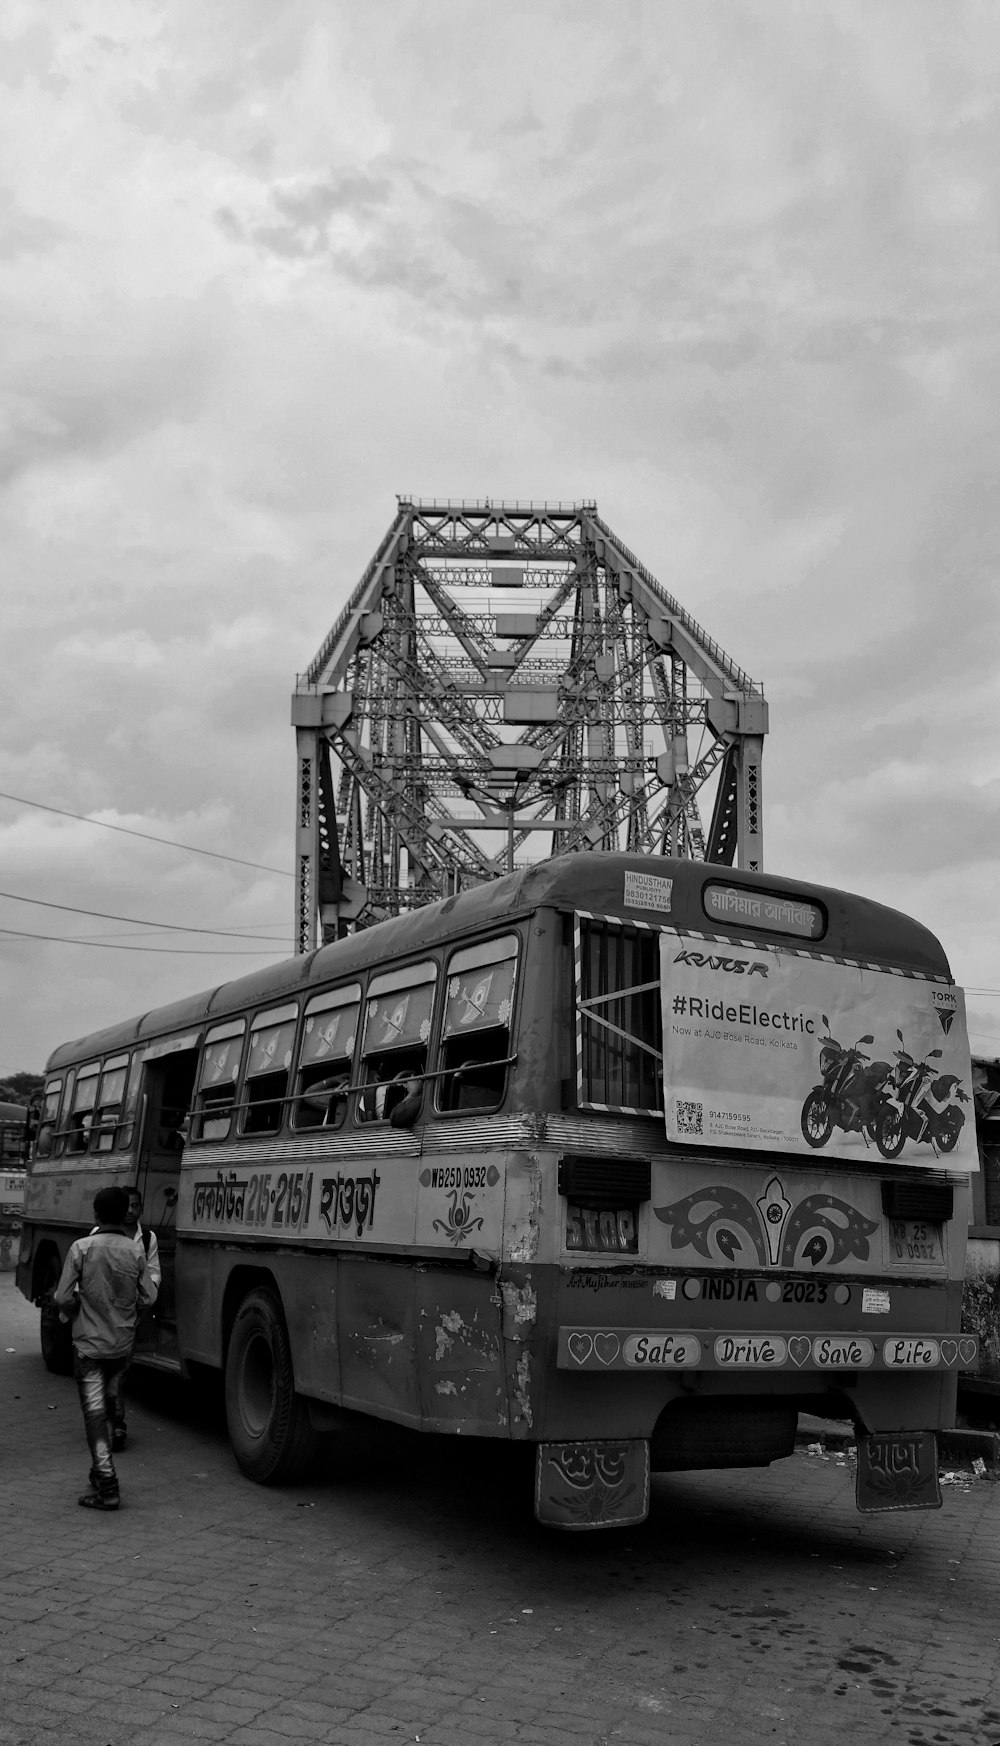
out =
column 131, row 1099
column 476, row 1032
column 215, row 1098
column 269, row 1061
column 397, row 1032
column 326, row 1053
column 108, row 1109
column 81, row 1115
column 61, row 1136
column 49, row 1118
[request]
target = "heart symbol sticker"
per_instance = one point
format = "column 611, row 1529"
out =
column 949, row 1351
column 607, row 1347
column 968, row 1350
column 799, row 1349
column 580, row 1347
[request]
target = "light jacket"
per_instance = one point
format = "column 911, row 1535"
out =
column 112, row 1276
column 151, row 1252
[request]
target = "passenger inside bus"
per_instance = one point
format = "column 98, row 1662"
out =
column 475, row 1043
column 394, row 1055
column 393, row 1089
column 325, row 1053
column 321, row 1100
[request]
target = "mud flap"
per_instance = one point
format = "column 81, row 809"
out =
column 898, row 1470
column 592, row 1485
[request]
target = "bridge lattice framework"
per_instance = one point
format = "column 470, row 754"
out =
column 507, row 681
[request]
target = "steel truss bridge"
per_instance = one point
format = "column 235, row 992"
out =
column 506, row 682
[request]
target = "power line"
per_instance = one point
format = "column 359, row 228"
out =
column 161, row 951
column 157, row 934
column 138, row 921
column 123, row 830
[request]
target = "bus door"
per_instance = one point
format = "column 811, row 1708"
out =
column 165, row 1102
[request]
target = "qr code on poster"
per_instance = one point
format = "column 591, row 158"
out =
column 689, row 1117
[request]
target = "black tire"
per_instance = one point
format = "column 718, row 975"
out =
column 817, row 1118
column 951, row 1125
column 890, row 1132
column 269, row 1426
column 55, row 1337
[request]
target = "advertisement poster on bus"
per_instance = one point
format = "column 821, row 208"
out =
column 766, row 1049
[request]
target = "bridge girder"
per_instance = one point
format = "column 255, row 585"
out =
column 505, row 676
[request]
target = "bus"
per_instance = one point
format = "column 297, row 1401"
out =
column 15, row 1135
column 615, row 1156
column 15, row 1143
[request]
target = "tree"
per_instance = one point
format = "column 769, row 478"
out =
column 21, row 1087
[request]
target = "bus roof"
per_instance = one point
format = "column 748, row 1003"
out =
column 592, row 882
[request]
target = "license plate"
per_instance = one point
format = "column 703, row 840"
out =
column 914, row 1243
column 898, row 1470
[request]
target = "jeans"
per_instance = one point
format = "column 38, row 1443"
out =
column 99, row 1381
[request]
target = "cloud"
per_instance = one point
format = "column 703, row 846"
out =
column 729, row 270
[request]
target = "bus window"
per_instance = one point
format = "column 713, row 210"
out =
column 476, row 1029
column 216, row 1095
column 397, row 1029
column 131, row 1099
column 14, row 1151
column 108, row 1109
column 81, row 1113
column 325, row 1057
column 620, row 1027
column 48, row 1121
column 265, row 1083
column 62, row 1127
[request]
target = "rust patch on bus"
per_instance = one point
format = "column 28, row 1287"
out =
column 524, row 1205
column 450, row 1324
column 522, row 1399
column 520, row 1310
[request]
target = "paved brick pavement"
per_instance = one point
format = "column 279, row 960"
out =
column 411, row 1596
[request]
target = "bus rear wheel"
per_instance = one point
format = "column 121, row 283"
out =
column 55, row 1337
column 269, row 1426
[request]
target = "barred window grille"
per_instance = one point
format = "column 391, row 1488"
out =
column 621, row 1034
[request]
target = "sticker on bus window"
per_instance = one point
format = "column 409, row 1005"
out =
column 648, row 891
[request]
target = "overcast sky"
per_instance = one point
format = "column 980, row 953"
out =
column 729, row 268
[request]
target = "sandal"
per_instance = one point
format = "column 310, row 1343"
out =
column 100, row 1500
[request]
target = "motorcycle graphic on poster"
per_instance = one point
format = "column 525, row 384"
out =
column 767, row 1049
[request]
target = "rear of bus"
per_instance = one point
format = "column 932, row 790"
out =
column 684, row 1270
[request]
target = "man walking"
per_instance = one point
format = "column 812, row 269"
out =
column 142, row 1236
column 145, row 1328
column 103, row 1285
